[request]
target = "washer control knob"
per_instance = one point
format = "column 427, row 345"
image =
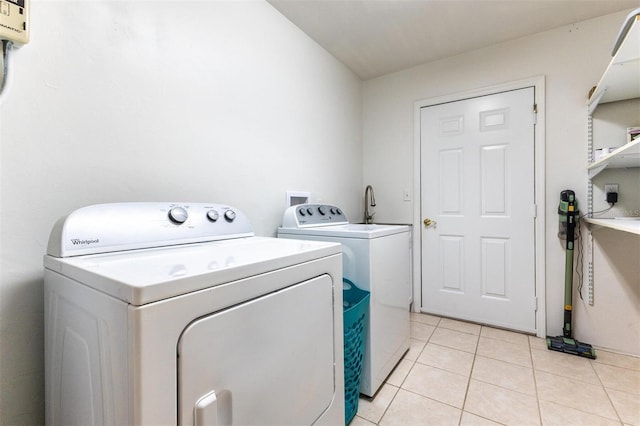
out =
column 178, row 215
column 302, row 212
column 213, row 215
column 333, row 210
column 322, row 210
column 230, row 215
column 310, row 211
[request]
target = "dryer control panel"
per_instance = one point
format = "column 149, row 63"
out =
column 104, row 228
column 307, row 215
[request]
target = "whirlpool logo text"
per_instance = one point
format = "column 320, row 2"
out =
column 79, row 242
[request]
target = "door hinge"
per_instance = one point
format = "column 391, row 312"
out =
column 535, row 304
column 535, row 113
column 535, row 211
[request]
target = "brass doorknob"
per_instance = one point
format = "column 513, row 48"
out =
column 428, row 222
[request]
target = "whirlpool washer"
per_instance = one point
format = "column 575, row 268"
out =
column 377, row 259
column 175, row 313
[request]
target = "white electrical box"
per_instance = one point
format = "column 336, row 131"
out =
column 293, row 198
column 14, row 21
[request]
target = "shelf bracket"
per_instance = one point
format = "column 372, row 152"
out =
column 590, row 268
column 595, row 170
column 595, row 99
column 591, row 172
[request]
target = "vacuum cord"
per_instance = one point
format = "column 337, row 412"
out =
column 580, row 254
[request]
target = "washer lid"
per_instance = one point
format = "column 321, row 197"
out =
column 349, row 230
column 148, row 275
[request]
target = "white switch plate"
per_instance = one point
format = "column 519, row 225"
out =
column 406, row 195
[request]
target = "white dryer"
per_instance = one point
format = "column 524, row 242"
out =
column 376, row 258
column 175, row 313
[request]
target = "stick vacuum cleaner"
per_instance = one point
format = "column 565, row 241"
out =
column 569, row 214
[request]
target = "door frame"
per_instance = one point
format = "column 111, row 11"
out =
column 538, row 83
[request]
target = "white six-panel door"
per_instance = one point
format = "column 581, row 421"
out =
column 477, row 189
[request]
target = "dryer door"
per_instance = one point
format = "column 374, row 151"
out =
column 269, row 361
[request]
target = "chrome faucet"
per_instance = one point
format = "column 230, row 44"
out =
column 369, row 200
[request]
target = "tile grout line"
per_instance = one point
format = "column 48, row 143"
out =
column 416, row 362
column 395, row 395
column 475, row 355
column 466, row 391
column 529, row 346
column 577, row 380
column 535, row 382
column 413, row 363
column 604, row 388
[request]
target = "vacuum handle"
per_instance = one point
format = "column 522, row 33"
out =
column 569, row 209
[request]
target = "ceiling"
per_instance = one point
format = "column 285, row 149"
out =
column 377, row 37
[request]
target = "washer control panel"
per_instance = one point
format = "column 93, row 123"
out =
column 307, row 215
column 112, row 227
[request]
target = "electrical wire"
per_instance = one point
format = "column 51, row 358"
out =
column 580, row 258
column 599, row 212
column 580, row 251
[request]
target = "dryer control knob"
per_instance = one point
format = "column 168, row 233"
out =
column 178, row 215
column 230, row 215
column 213, row 215
column 322, row 210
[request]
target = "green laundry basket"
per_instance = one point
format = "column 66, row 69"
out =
column 355, row 320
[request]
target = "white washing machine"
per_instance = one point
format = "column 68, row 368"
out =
column 175, row 313
column 376, row 258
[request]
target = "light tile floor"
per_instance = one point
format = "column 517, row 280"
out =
column 459, row 373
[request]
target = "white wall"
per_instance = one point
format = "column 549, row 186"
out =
column 572, row 59
column 169, row 100
column 614, row 318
